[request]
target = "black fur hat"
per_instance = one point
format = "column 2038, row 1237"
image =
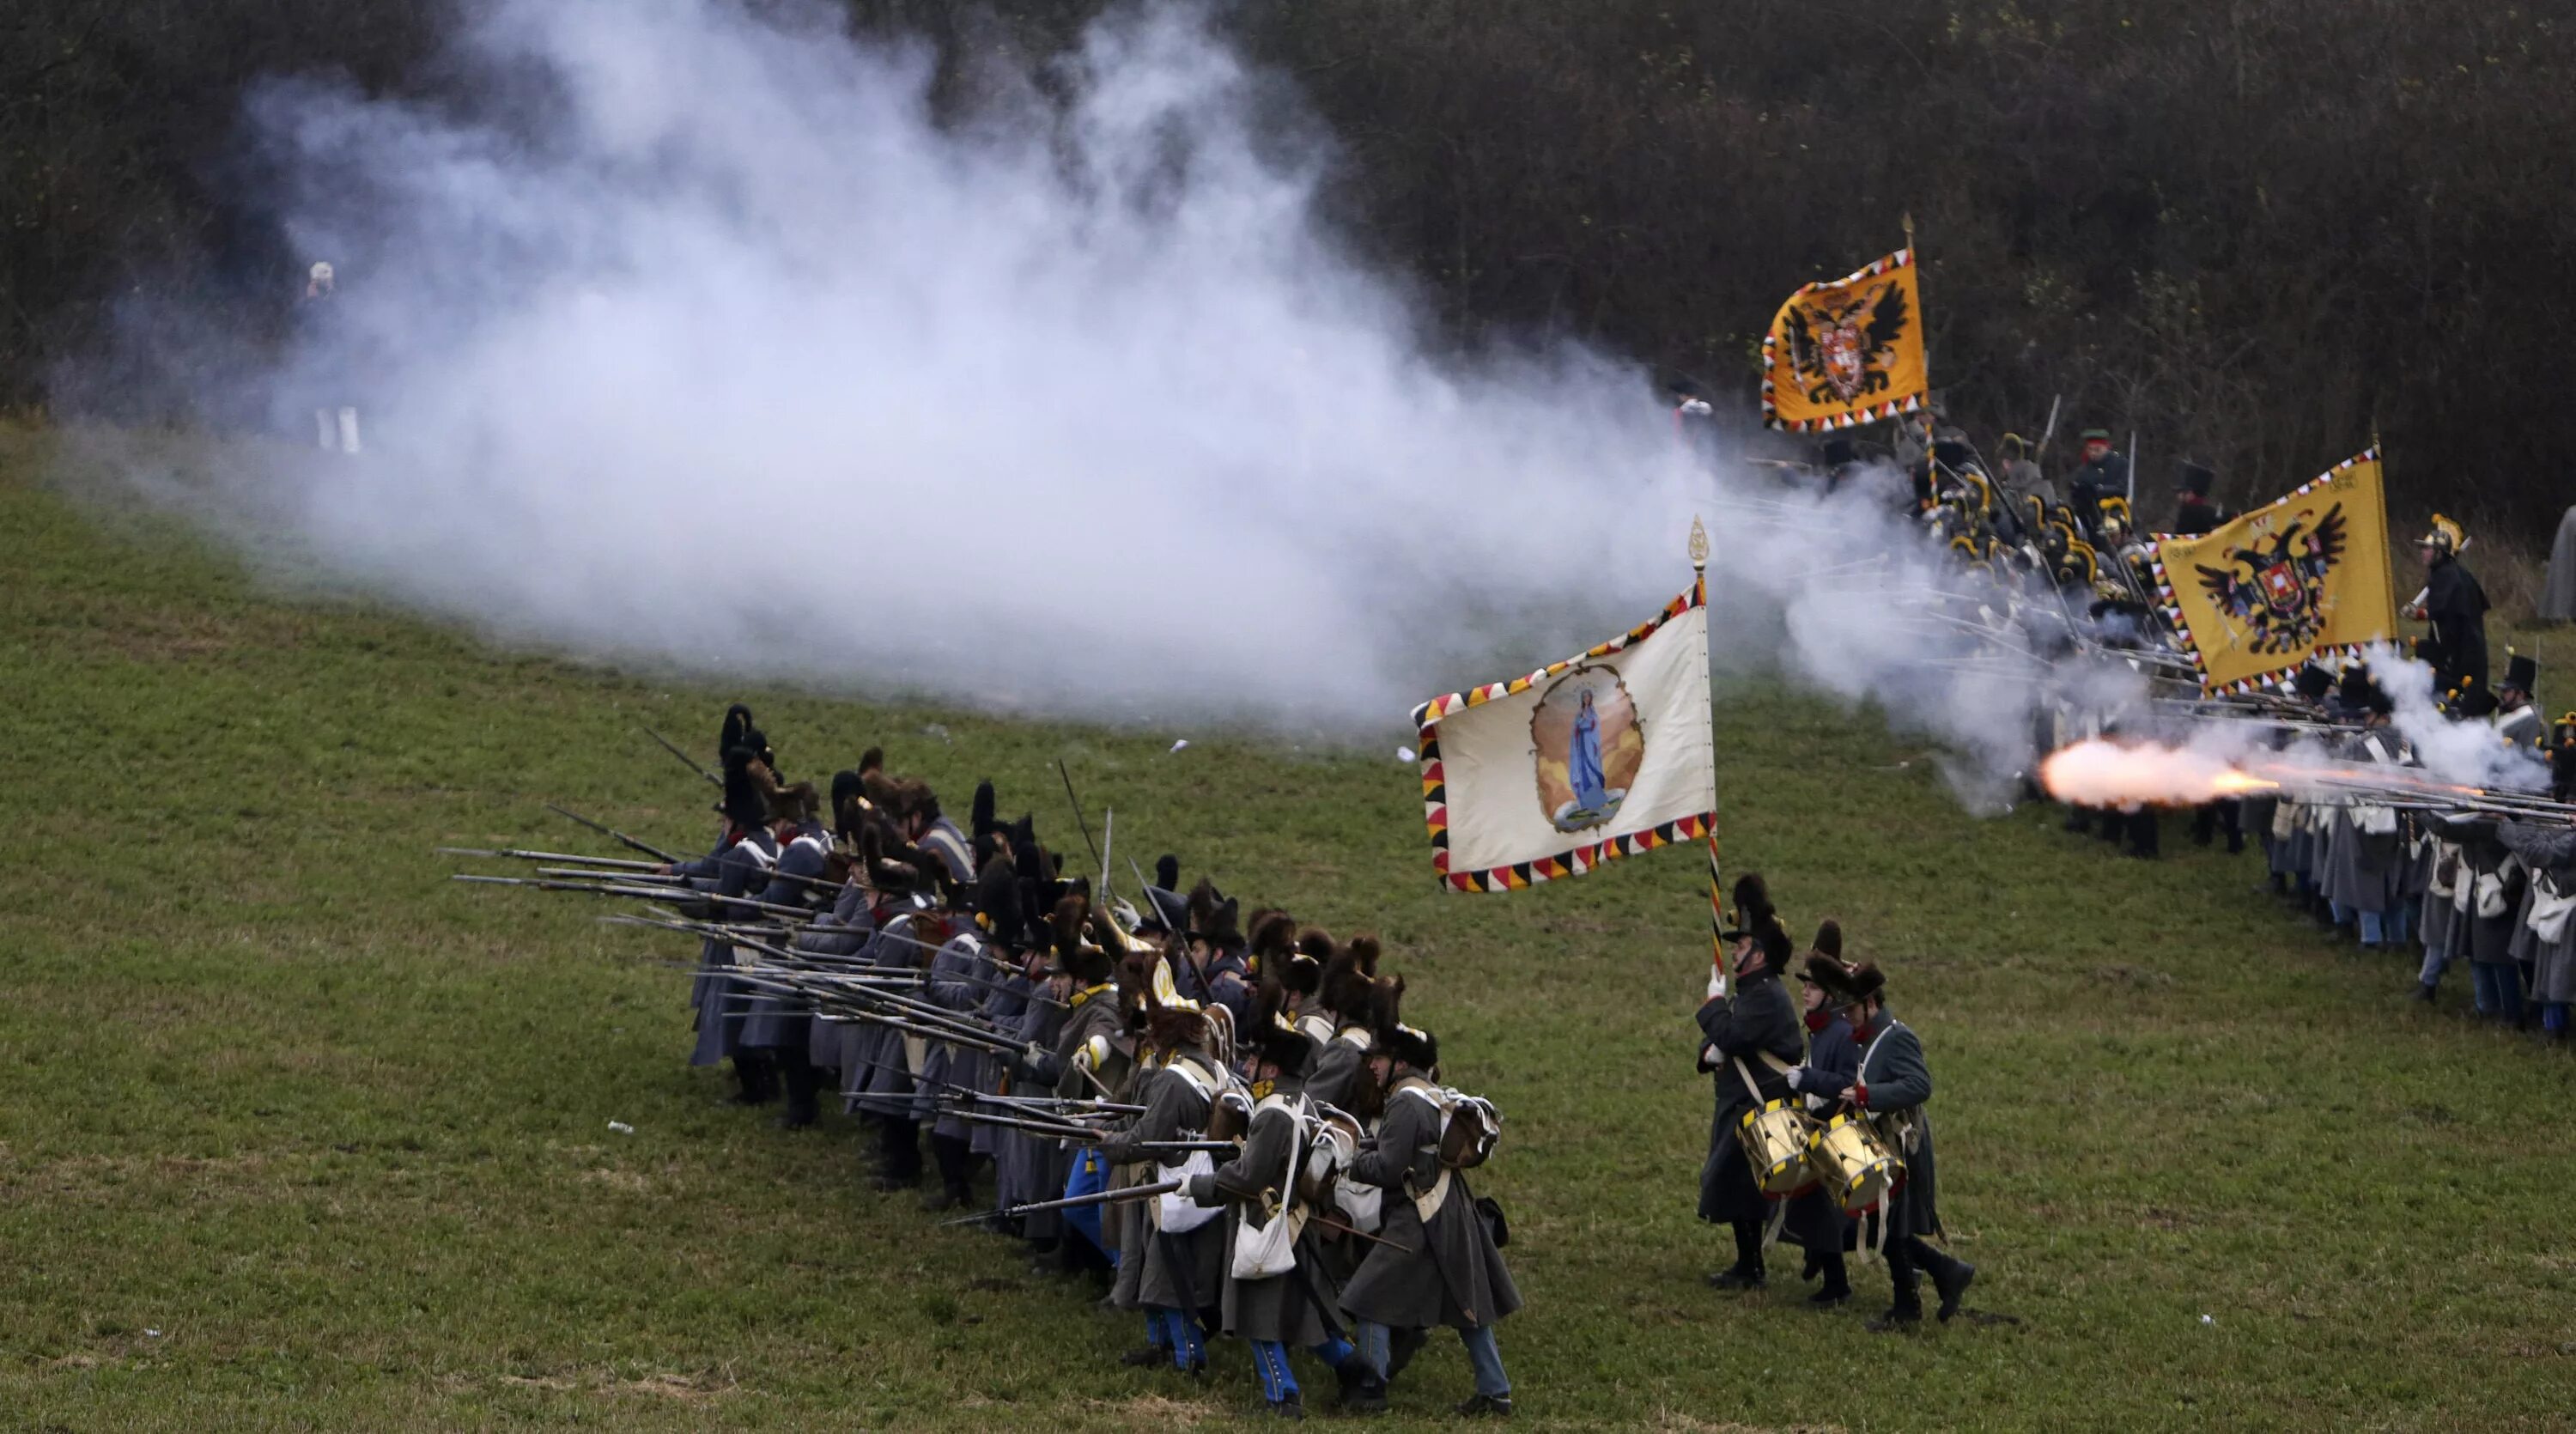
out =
column 2194, row 478
column 1215, row 918
column 981, row 823
column 997, row 901
column 1347, row 981
column 1829, row 939
column 1752, row 904
column 2313, row 682
column 1861, row 982
column 743, row 804
column 1167, row 872
column 1417, row 1048
column 848, row 790
column 1829, row 974
column 1282, row 1046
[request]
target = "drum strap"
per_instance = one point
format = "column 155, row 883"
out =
column 1746, row 1071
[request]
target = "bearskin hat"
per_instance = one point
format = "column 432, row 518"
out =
column 1303, row 969
column 1215, row 918
column 1274, row 939
column 1347, row 979
column 1271, row 1037
column 981, row 823
column 1829, row 938
column 743, row 804
column 1752, row 904
column 1828, row 973
column 1861, row 982
column 1167, row 872
column 848, row 792
column 738, row 730
column 2313, row 682
column 1414, row 1047
column 1085, row 962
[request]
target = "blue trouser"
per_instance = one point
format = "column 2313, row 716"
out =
column 2499, row 989
column 1177, row 1331
column 2553, row 1016
column 2436, row 961
column 1270, row 1359
column 1482, row 1354
column 1089, row 1176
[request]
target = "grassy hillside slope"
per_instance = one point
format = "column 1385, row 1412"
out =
column 294, row 1133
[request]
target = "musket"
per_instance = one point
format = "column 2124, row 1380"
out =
column 644, row 893
column 2050, row 431
column 516, row 854
column 1078, row 818
column 1315, row 1219
column 614, row 834
column 712, row 779
column 1076, row 1202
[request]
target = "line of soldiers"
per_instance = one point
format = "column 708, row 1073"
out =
column 1820, row 1137
column 1227, row 1122
column 2483, row 887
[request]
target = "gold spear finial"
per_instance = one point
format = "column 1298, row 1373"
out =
column 1698, row 544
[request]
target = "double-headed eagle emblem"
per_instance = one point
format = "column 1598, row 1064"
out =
column 1839, row 351
column 2278, row 592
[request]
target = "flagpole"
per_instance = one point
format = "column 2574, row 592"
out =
column 1716, row 884
column 2386, row 533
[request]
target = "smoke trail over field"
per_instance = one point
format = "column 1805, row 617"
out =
column 692, row 336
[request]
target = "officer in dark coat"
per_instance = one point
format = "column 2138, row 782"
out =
column 2104, row 474
column 2456, row 607
column 1893, row 1087
column 2194, row 513
column 1749, row 1035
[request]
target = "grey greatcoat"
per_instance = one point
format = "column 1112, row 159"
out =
column 1178, row 1271
column 945, row 1065
column 1032, row 1167
column 2551, row 852
column 1758, row 1019
column 771, row 1021
column 881, row 1061
column 732, row 871
column 1443, row 1269
column 2359, row 869
column 1279, row 1307
column 841, row 932
column 1894, row 1087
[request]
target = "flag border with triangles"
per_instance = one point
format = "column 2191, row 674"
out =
column 1574, row 861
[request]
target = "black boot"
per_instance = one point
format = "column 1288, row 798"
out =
column 1951, row 1277
column 1837, row 1287
column 751, row 1078
column 797, row 1075
column 1746, row 1273
column 1401, row 1346
column 1906, row 1310
column 898, row 1153
column 955, row 1161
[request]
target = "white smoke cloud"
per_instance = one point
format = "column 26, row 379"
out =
column 691, row 336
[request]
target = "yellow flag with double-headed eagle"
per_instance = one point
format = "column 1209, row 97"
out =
column 1847, row 352
column 2304, row 575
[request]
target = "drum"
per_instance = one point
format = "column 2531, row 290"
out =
column 1775, row 1145
column 1852, row 1163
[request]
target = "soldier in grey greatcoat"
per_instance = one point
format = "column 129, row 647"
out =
column 1748, row 1040
column 1892, row 1088
column 1438, row 1264
column 1268, row 1182
column 1177, row 1272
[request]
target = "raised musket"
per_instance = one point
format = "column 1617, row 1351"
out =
column 690, row 762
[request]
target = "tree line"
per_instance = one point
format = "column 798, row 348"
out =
column 2249, row 230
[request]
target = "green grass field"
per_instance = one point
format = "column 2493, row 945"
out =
column 295, row 1133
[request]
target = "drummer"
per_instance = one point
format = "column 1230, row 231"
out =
column 1815, row 1218
column 1892, row 1088
column 1748, row 1036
